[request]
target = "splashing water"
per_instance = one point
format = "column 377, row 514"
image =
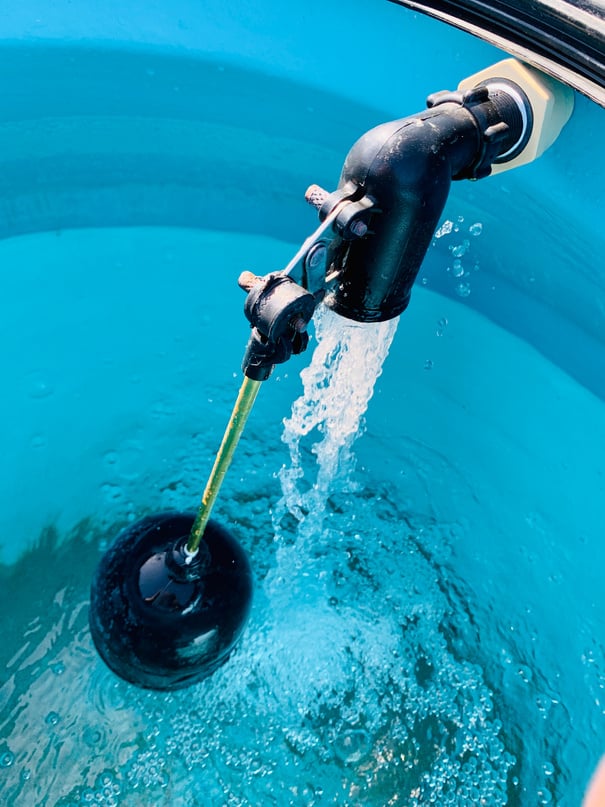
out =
column 337, row 387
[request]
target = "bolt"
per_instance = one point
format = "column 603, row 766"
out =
column 299, row 324
column 315, row 256
column 359, row 228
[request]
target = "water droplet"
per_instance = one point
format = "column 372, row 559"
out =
column 111, row 458
column 524, row 673
column 38, row 385
column 26, row 774
column 351, row 746
column 57, row 667
column 549, row 768
column 6, row 759
column 463, row 289
column 461, row 249
column 476, row 228
column 52, row 718
column 92, row 736
column 112, row 493
column 445, row 229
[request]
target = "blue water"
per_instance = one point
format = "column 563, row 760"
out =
column 439, row 641
column 413, row 648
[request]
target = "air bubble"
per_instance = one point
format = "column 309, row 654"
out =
column 39, row 441
column 112, row 493
column 428, row 364
column 524, row 673
column 461, row 249
column 457, row 268
column 6, row 759
column 445, row 229
column 39, row 386
column 92, row 736
column 57, row 667
column 351, row 746
column 463, row 289
column 476, row 228
column 52, row 718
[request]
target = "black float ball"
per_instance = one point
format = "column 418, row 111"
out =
column 160, row 622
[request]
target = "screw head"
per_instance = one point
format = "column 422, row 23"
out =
column 315, row 256
column 359, row 228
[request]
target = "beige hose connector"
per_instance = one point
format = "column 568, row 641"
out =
column 551, row 103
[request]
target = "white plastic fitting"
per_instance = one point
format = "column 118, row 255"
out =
column 551, row 102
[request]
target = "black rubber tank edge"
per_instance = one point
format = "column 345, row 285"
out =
column 563, row 38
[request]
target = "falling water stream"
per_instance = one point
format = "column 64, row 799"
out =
column 328, row 417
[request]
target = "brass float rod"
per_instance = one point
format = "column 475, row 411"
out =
column 243, row 406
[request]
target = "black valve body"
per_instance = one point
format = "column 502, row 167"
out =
column 406, row 167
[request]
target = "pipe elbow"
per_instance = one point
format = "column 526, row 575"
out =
column 406, row 168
